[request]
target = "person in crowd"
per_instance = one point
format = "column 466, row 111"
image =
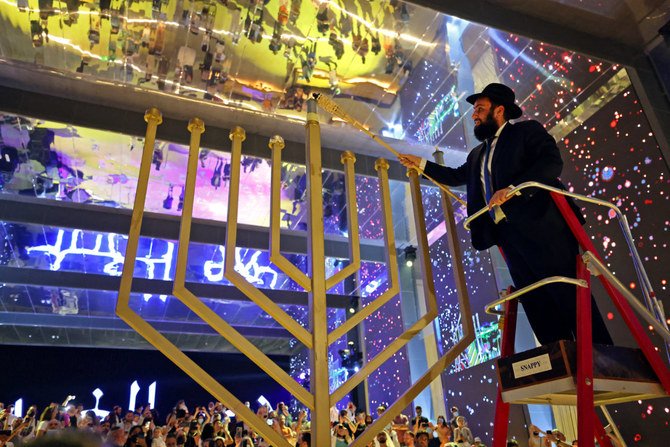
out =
column 558, row 439
column 368, row 419
column 282, row 409
column 4, row 438
column 540, row 438
column 421, row 439
column 284, row 429
column 409, row 438
column 380, row 410
column 302, row 424
column 116, row 438
column 454, row 414
column 340, row 437
column 384, row 440
column 535, row 436
column 128, row 421
column 137, row 440
column 359, row 424
column 419, row 420
column 443, row 430
column 351, row 411
column 344, row 420
column 209, row 427
column 305, row 440
column 103, row 429
column 462, row 433
column 157, row 440
column 115, row 417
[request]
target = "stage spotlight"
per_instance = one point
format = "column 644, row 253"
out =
column 410, row 255
column 353, row 305
column 351, row 358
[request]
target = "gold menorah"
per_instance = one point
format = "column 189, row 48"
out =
column 318, row 399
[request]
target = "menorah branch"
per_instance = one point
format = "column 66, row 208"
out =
column 348, row 160
column 237, row 135
column 181, row 292
column 276, row 257
column 393, row 289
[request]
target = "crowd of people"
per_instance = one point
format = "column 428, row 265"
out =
column 418, row 431
column 215, row 426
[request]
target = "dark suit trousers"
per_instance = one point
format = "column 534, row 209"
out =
column 537, row 250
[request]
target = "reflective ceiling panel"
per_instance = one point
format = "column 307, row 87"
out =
column 402, row 70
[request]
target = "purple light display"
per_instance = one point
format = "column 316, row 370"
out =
column 382, row 327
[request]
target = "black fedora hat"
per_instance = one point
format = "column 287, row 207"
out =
column 499, row 94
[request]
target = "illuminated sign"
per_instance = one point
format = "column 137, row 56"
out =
column 97, row 393
column 251, row 269
column 158, row 258
column 18, row 408
column 135, row 389
column 431, row 128
column 75, row 244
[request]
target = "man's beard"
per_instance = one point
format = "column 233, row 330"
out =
column 486, row 129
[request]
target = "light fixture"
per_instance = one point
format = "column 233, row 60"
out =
column 351, row 358
column 353, row 305
column 410, row 255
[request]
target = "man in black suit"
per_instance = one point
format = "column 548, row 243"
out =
column 533, row 235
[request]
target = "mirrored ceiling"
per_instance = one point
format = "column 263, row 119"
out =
column 401, row 69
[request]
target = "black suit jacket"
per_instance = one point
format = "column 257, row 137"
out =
column 523, row 152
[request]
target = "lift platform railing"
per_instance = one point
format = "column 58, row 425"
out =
column 317, row 338
column 588, row 264
column 651, row 301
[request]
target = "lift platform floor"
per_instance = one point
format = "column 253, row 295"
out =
column 547, row 375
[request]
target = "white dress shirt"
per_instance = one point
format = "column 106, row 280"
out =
column 493, row 148
column 422, row 165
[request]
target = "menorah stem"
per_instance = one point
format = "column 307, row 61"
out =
column 348, row 159
column 153, row 118
column 276, row 145
column 319, row 377
column 237, row 136
column 196, row 127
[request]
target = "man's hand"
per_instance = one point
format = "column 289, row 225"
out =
column 500, row 197
column 409, row 160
